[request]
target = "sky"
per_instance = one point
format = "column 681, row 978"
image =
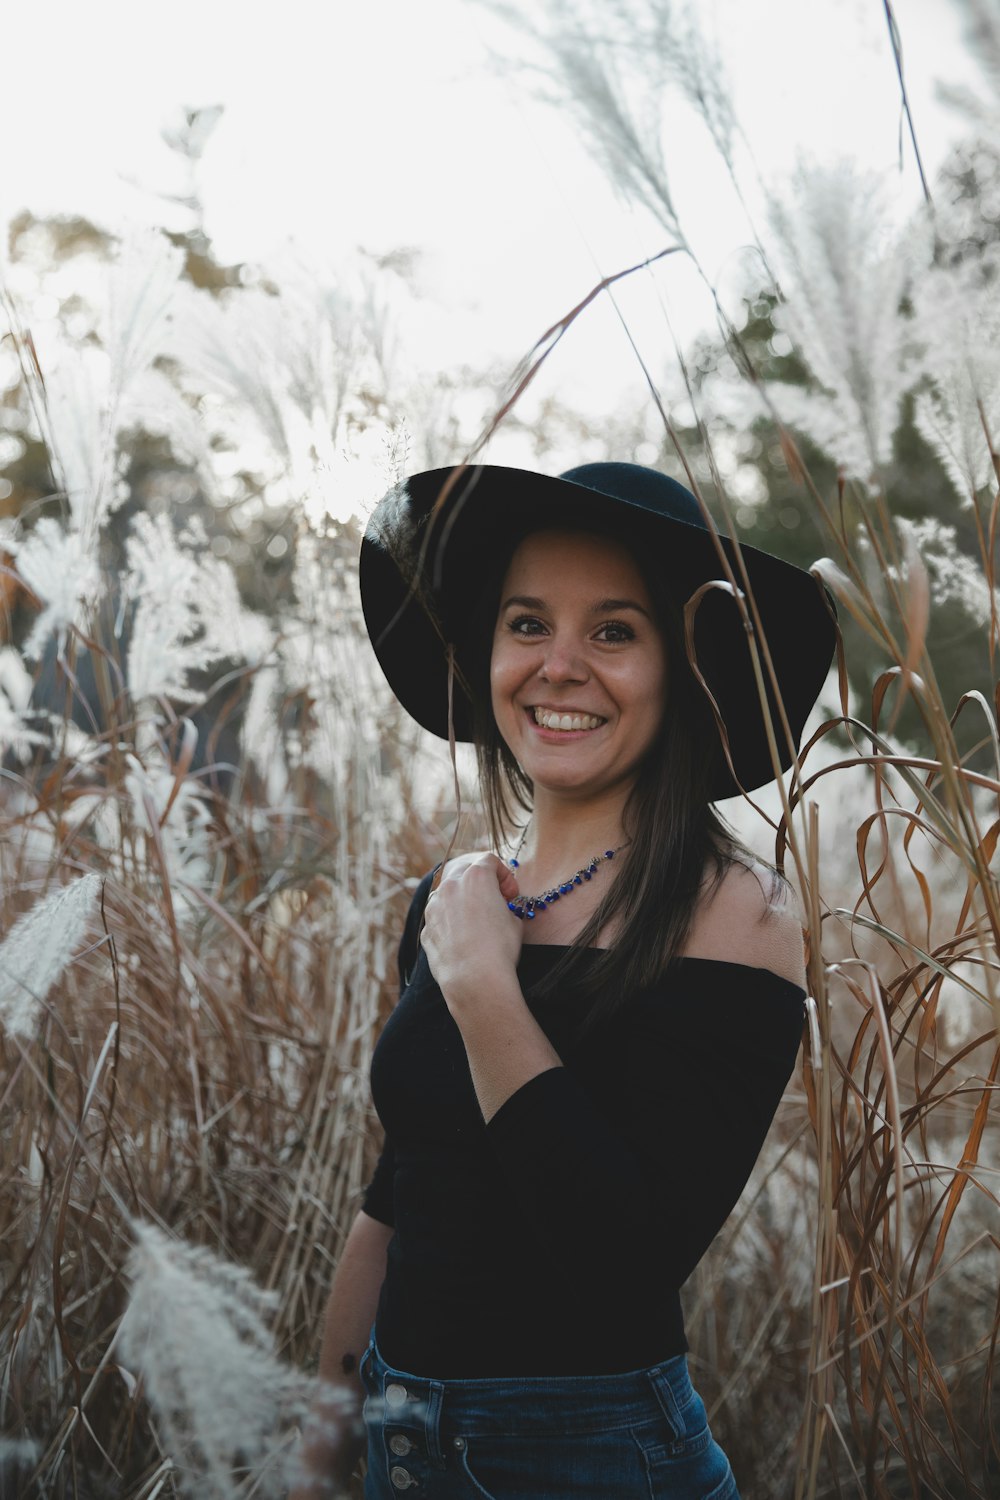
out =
column 386, row 125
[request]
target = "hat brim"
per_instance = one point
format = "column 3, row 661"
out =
column 422, row 578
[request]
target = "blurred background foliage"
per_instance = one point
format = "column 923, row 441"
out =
column 55, row 267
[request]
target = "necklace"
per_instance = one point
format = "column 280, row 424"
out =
column 530, row 906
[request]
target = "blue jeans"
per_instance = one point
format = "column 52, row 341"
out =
column 638, row 1436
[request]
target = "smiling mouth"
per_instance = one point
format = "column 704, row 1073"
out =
column 547, row 718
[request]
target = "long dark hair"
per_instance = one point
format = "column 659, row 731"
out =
column 679, row 848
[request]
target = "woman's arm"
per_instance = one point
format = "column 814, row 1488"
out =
column 504, row 1043
column 333, row 1439
column 472, row 944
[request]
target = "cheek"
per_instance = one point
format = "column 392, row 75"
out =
column 655, row 695
column 502, row 681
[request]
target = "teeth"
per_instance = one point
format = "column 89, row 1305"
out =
column 549, row 720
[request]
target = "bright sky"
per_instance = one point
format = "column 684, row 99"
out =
column 382, row 124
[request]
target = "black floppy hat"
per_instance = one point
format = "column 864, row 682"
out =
column 423, row 574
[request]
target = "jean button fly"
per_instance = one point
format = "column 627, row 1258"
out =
column 401, row 1478
column 395, row 1395
column 400, row 1444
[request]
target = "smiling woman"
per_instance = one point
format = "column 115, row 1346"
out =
column 535, row 1211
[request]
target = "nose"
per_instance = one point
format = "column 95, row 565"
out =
column 563, row 661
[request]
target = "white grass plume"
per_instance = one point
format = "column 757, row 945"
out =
column 322, row 653
column 79, row 431
column 843, row 273
column 60, row 568
column 196, row 1328
column 182, row 816
column 282, row 368
column 166, row 640
column 141, row 294
column 84, row 404
column 955, row 577
column 614, row 62
column 16, row 735
column 981, row 24
column 958, row 323
column 188, row 612
column 38, row 948
column 592, row 55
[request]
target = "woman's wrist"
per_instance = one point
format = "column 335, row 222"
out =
column 482, row 993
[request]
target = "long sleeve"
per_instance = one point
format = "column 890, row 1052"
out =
column 643, row 1151
column 377, row 1201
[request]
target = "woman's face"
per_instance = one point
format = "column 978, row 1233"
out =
column 578, row 672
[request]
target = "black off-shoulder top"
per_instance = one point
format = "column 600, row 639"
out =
column 554, row 1240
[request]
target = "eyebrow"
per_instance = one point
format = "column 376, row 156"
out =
column 603, row 606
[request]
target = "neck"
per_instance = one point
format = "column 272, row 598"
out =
column 563, row 834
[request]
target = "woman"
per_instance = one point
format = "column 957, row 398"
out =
column 594, row 1031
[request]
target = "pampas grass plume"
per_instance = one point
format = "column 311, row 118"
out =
column 37, row 949
column 196, row 1327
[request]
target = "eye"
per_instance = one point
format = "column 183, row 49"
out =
column 619, row 632
column 523, row 624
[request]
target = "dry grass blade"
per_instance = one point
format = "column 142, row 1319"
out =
column 916, row 621
column 969, row 1159
column 550, row 339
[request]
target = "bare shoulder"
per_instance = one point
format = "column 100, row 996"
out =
column 750, row 918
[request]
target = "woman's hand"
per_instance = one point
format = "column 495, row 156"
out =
column 472, row 944
column 471, row 940
column 333, row 1440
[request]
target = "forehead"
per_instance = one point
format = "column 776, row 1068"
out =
column 583, row 558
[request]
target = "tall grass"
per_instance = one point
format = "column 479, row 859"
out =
column 184, row 1084
column 197, row 956
column 886, row 1155
column 201, row 1064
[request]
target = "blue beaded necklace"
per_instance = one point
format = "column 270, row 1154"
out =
column 530, row 906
